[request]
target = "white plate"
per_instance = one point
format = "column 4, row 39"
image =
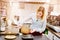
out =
column 10, row 36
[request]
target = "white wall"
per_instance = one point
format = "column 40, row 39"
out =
column 56, row 5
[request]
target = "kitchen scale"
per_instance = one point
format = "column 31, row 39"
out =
column 27, row 37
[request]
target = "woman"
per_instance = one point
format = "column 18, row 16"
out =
column 15, row 25
column 16, row 21
column 38, row 22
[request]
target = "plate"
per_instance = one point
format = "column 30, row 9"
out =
column 10, row 37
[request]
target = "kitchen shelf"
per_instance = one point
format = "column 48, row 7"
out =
column 32, row 2
column 5, row 33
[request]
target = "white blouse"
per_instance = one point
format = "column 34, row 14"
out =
column 38, row 25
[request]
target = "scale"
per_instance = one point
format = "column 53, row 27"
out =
column 27, row 37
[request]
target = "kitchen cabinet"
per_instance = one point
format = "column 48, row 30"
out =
column 53, row 35
column 50, row 35
column 56, row 38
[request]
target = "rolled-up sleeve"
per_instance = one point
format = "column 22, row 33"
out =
column 43, row 26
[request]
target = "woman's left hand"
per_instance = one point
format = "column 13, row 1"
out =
column 40, row 32
column 31, row 31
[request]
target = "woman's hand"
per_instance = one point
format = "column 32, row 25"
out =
column 40, row 32
column 31, row 31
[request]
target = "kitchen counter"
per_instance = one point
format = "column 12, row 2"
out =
column 43, row 37
column 8, row 33
column 54, row 32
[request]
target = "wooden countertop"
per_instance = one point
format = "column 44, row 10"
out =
column 54, row 32
column 43, row 37
column 7, row 33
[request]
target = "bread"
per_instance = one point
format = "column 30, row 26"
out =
column 25, row 30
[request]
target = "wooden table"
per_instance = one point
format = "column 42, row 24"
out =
column 6, row 33
column 54, row 32
column 43, row 37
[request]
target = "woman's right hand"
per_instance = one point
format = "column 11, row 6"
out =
column 32, row 31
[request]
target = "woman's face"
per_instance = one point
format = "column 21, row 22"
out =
column 39, row 14
column 16, row 17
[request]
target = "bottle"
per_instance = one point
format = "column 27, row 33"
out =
column 46, row 31
column 3, row 24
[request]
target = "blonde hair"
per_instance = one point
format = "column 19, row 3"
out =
column 42, row 9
